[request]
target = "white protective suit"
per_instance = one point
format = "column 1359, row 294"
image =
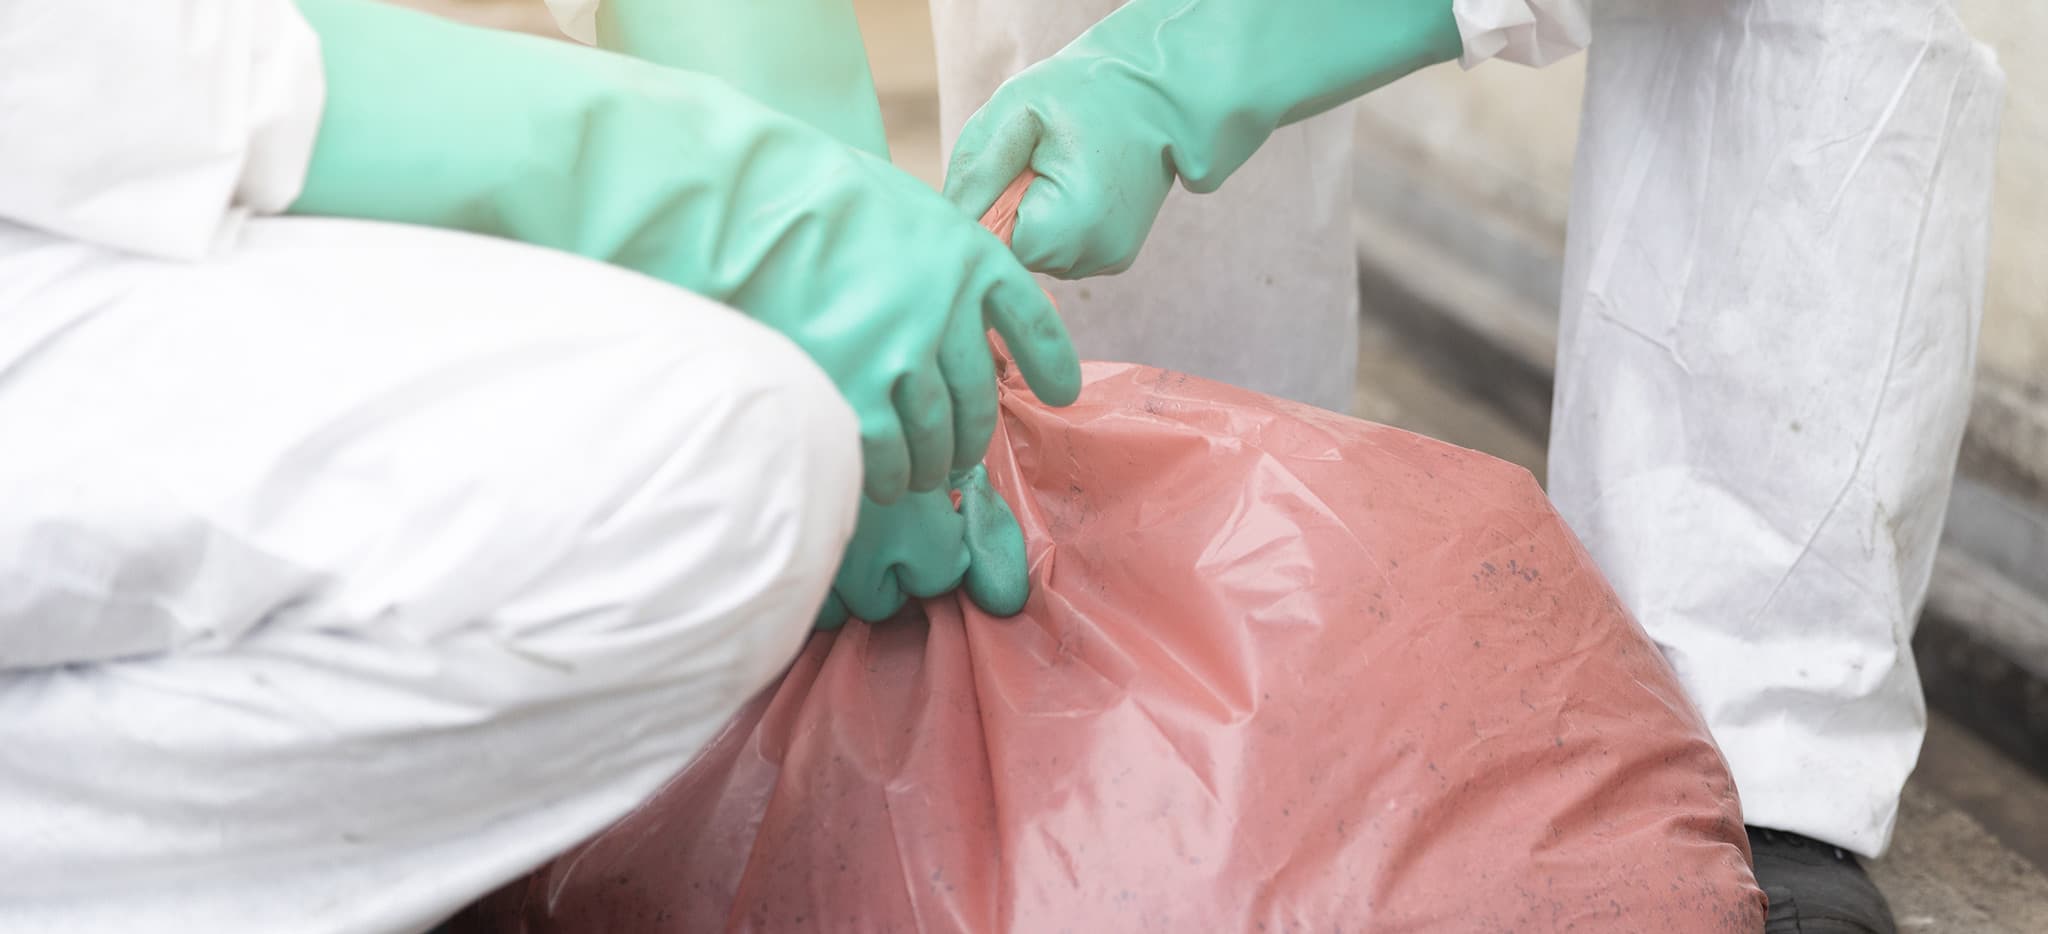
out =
column 1770, row 307
column 347, row 570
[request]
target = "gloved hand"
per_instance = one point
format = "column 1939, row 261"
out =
column 921, row 547
column 805, row 58
column 678, row 176
column 1162, row 89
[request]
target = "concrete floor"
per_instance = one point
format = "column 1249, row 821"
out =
column 1972, row 837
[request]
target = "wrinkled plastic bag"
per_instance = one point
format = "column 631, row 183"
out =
column 1281, row 670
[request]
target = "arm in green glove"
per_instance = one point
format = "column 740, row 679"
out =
column 1165, row 89
column 922, row 547
column 805, row 59
column 681, row 177
column 801, row 57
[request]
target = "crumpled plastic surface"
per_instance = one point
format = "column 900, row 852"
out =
column 1280, row 670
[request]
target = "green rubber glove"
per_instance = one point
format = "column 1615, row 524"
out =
column 805, row 58
column 1162, row 89
column 680, row 176
column 801, row 57
column 922, row 547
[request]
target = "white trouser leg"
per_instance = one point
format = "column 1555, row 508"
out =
column 1772, row 291
column 353, row 573
column 1255, row 284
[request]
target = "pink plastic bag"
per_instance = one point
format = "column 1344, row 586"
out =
column 1281, row 671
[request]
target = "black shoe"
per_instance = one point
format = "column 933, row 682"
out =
column 1815, row 888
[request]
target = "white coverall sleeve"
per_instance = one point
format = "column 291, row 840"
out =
column 578, row 19
column 1526, row 32
column 154, row 127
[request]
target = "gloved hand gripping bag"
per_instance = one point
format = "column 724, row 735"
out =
column 1280, row 670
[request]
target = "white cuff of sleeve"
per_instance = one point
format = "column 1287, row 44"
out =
column 1526, row 32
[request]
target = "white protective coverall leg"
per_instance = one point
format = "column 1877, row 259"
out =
column 347, row 570
column 1772, row 288
column 1776, row 266
column 353, row 572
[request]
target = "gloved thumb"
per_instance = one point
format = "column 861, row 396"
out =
column 998, row 571
column 994, row 148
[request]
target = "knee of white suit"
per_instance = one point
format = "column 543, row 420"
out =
column 673, row 509
column 393, row 562
column 712, row 564
column 720, row 540
column 452, row 435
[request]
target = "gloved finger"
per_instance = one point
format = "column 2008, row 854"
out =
column 998, row 572
column 832, row 615
column 994, row 147
column 1069, row 219
column 1101, row 240
column 1053, row 226
column 1022, row 313
column 940, row 559
column 924, row 406
column 1106, row 259
column 1087, row 215
column 969, row 369
column 874, row 598
column 884, row 457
